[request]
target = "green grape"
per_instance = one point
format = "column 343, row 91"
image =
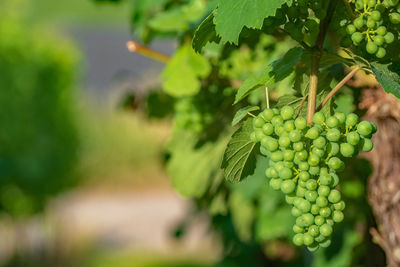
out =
column 319, row 220
column 287, row 112
column 296, row 212
column 301, row 191
column 376, row 15
column 326, row 230
column 311, row 184
column 314, row 170
column 304, row 166
column 353, row 138
column 325, row 212
column 271, row 144
column 285, row 173
column 298, row 239
column 276, row 120
column 313, row 160
column 381, row 52
column 258, row 122
column 334, row 196
column 300, row 123
column 337, row 216
column 302, row 184
column 295, row 136
column 284, row 141
column 346, row 150
column 315, row 209
column 304, row 176
column 350, row 29
column 308, row 240
column 333, row 135
column 379, row 40
column 313, row 230
column 389, row 38
column 275, row 183
column 333, row 148
column 341, row 117
column 267, row 115
column 290, row 198
column 357, row 37
column 268, row 129
column 325, row 179
column 371, row 47
column 359, row 23
column 313, row 133
column 381, row 30
column 302, row 155
column 339, row 206
column 259, row 135
column 277, row 156
column 320, row 142
column 371, row 23
column 288, row 164
column 364, row 128
column 394, row 18
column 366, row 145
column 304, row 206
column 271, row 172
column 308, row 219
column 289, row 126
column 298, row 146
column 319, row 118
column 310, row 195
column 332, row 122
column 323, row 190
column 279, row 129
column 321, row 201
column 288, row 186
column 318, row 151
column 335, row 163
column 288, row 155
column 325, row 244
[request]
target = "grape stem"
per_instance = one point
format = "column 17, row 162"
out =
column 301, row 106
column 312, row 91
column 267, row 96
column 148, row 52
column 338, row 86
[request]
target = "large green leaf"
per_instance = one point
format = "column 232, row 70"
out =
column 275, row 72
column 192, row 168
column 233, row 15
column 388, row 75
column 240, row 157
column 204, row 34
column 182, row 74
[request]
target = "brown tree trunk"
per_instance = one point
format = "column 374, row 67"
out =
column 384, row 184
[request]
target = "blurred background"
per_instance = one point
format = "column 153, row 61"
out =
column 81, row 177
column 87, row 138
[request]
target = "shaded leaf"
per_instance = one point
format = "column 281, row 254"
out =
column 388, row 75
column 275, row 72
column 239, row 157
column 204, row 34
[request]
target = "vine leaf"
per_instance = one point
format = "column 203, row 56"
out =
column 275, row 72
column 182, row 75
column 242, row 113
column 240, row 158
column 388, row 75
column 233, row 15
column 205, row 33
column 193, row 168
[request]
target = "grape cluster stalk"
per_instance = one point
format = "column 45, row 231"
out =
column 304, row 161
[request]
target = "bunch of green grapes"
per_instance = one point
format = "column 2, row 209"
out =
column 375, row 26
column 300, row 19
column 303, row 164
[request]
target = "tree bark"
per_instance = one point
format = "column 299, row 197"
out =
column 384, row 184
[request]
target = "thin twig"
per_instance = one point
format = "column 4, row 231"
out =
column 312, row 91
column 338, row 86
column 267, row 96
column 301, row 106
column 148, row 52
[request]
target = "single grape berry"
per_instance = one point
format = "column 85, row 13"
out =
column 366, row 145
column 295, row 136
column 268, row 114
column 319, row 118
column 332, row 122
column 346, row 150
column 298, row 239
column 258, row 122
column 371, row 47
column 334, row 196
column 287, row 112
column 364, row 128
column 353, row 138
column 337, row 216
column 300, row 123
column 313, row 133
column 268, row 129
column 326, row 230
column 351, row 120
column 333, row 135
column 288, row 186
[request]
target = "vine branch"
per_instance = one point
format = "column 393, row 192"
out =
column 338, row 86
column 148, row 52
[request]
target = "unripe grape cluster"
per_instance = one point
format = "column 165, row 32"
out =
column 303, row 164
column 375, row 27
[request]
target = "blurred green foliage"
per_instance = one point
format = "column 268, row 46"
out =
column 39, row 137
